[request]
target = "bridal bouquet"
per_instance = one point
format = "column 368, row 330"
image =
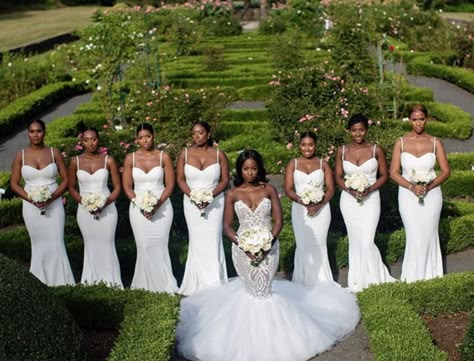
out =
column 200, row 197
column 92, row 202
column 257, row 240
column 145, row 201
column 311, row 194
column 40, row 195
column 358, row 182
column 423, row 178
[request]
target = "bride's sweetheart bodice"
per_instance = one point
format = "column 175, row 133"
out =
column 257, row 281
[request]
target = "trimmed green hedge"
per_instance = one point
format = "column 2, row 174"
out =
column 421, row 65
column 33, row 325
column 147, row 320
column 391, row 314
column 459, row 184
column 461, row 161
column 11, row 211
column 19, row 112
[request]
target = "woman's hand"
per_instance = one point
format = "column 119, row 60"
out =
column 420, row 190
column 149, row 215
column 313, row 208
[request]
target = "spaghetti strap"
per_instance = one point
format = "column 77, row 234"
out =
column 52, row 155
column 22, row 157
column 401, row 140
column 105, row 163
column 343, row 151
column 296, row 163
column 133, row 160
column 321, row 164
column 77, row 162
column 434, row 145
column 185, row 155
column 161, row 159
column 373, row 155
column 217, row 155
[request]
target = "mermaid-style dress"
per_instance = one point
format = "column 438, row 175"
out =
column 205, row 265
column 258, row 318
column 101, row 263
column 153, row 268
column 311, row 255
column 422, row 259
column 49, row 261
column 361, row 219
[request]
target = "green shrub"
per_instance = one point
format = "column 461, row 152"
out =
column 390, row 313
column 147, row 320
column 11, row 211
column 33, row 325
column 459, row 184
column 467, row 348
column 461, row 161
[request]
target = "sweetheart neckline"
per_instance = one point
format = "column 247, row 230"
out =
column 309, row 172
column 156, row 166
column 26, row 165
column 256, row 208
column 421, row 156
column 201, row 170
column 91, row 174
column 360, row 165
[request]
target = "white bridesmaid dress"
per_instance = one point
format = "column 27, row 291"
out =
column 153, row 270
column 101, row 263
column 205, row 265
column 422, row 259
column 361, row 219
column 256, row 317
column 49, row 261
column 311, row 255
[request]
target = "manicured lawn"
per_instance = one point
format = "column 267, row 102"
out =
column 21, row 28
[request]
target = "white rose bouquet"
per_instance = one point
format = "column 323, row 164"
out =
column 256, row 240
column 145, row 201
column 200, row 197
column 422, row 178
column 92, row 202
column 311, row 194
column 358, row 182
column 40, row 195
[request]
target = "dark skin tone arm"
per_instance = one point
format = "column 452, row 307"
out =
column 289, row 186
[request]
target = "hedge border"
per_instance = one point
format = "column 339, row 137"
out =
column 147, row 320
column 391, row 314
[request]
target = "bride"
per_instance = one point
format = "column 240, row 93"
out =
column 257, row 317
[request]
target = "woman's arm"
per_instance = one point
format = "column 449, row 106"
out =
column 329, row 182
column 180, row 178
column 115, row 176
column 15, row 178
column 395, row 166
column 228, row 219
column 277, row 213
column 382, row 170
column 127, row 179
column 169, row 178
column 224, row 181
column 445, row 170
column 339, row 171
column 62, row 173
column 72, row 180
column 289, row 182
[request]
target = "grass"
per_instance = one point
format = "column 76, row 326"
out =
column 26, row 27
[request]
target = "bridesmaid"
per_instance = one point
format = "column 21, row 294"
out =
column 203, row 167
column 91, row 170
column 420, row 205
column 150, row 170
column 39, row 166
column 311, row 221
column 361, row 211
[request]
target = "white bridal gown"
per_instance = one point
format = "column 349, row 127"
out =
column 49, row 262
column 256, row 318
column 101, row 263
column 311, row 255
column 205, row 265
column 422, row 259
column 361, row 219
column 153, row 268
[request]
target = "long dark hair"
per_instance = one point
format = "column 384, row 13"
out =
column 205, row 125
column 243, row 156
column 38, row 121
